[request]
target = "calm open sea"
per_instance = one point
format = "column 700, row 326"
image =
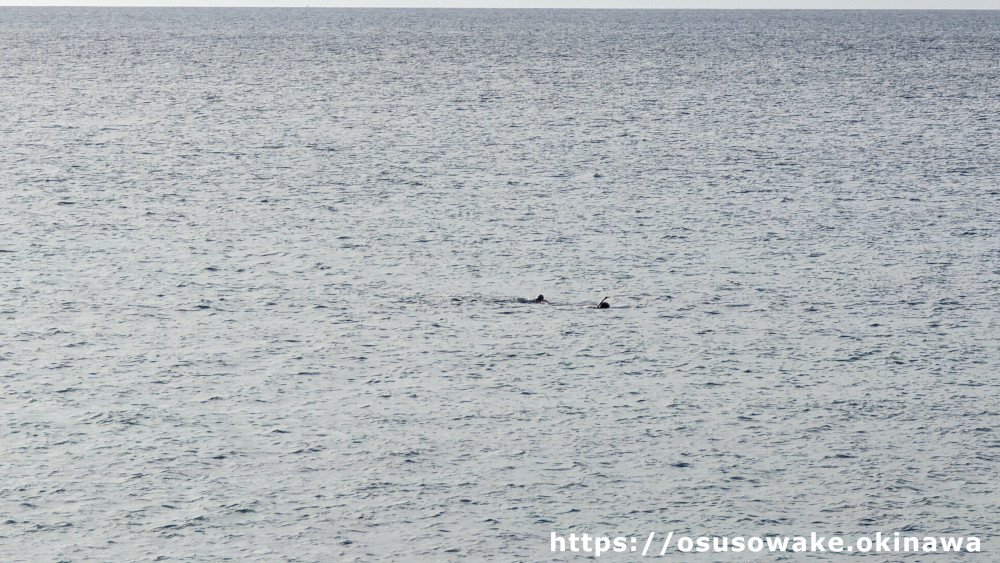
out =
column 263, row 280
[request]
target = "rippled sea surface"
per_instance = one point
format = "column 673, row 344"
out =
column 263, row 280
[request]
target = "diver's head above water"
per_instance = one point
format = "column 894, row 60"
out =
column 541, row 299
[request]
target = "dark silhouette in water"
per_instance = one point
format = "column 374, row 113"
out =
column 541, row 299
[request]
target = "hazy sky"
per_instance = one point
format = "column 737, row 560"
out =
column 784, row 4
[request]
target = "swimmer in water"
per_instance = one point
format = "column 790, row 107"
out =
column 604, row 304
column 541, row 299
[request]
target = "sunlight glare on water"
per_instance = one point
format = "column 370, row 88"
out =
column 266, row 279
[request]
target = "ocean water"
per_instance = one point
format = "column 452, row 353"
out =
column 265, row 281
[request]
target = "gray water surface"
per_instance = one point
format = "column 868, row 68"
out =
column 263, row 275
